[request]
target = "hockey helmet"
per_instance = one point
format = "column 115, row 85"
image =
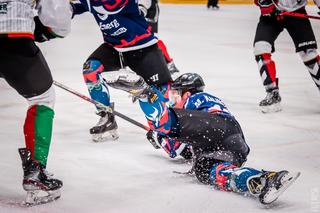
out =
column 191, row 82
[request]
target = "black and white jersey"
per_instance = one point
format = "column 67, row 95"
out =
column 16, row 16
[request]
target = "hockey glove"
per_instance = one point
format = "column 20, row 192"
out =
column 152, row 137
column 267, row 7
column 174, row 148
column 143, row 10
column 41, row 32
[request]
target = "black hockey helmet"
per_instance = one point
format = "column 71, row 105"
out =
column 191, row 82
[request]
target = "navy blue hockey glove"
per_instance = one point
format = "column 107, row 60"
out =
column 41, row 32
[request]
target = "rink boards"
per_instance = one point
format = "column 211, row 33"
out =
column 205, row 1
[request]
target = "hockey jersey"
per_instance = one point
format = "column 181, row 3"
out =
column 205, row 102
column 16, row 17
column 285, row 5
column 120, row 21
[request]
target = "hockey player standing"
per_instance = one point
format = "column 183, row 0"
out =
column 150, row 9
column 25, row 69
column 128, row 41
column 203, row 121
column 213, row 4
column 270, row 25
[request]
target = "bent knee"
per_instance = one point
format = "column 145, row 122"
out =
column 47, row 98
column 91, row 71
column 262, row 47
column 308, row 55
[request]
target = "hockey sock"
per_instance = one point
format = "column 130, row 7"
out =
column 314, row 70
column 164, row 51
column 38, row 131
column 97, row 88
column 267, row 69
column 228, row 177
column 159, row 116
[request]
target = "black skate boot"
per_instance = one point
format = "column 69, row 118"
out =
column 271, row 103
column 270, row 185
column 106, row 125
column 125, row 80
column 37, row 180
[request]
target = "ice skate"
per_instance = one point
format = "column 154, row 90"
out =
column 106, row 128
column 271, row 103
column 270, row 185
column 40, row 186
column 127, row 81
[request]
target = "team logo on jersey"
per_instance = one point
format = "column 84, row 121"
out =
column 3, row 7
column 110, row 7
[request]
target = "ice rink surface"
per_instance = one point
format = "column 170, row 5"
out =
column 129, row 175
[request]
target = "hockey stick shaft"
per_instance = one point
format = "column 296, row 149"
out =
column 100, row 105
column 300, row 15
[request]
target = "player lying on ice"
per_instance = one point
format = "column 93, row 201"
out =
column 203, row 121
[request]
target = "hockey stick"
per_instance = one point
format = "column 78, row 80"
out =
column 300, row 15
column 100, row 105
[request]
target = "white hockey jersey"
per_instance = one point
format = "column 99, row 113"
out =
column 292, row 5
column 16, row 16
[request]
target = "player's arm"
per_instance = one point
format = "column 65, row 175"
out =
column 171, row 146
column 144, row 5
column 53, row 20
column 78, row 8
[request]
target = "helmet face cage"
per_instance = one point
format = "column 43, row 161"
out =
column 189, row 82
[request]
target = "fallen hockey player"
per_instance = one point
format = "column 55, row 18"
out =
column 204, row 122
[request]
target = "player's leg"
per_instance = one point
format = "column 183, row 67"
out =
column 265, row 185
column 303, row 37
column 149, row 63
column 26, row 70
column 311, row 59
column 153, row 20
column 267, row 31
column 170, row 63
column 102, row 59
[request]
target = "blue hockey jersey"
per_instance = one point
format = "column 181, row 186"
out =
column 207, row 103
column 120, row 22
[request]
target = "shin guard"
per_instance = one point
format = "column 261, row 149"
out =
column 313, row 67
column 38, row 131
column 267, row 70
column 97, row 88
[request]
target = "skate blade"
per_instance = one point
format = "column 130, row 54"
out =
column 106, row 136
column 287, row 180
column 271, row 109
column 39, row 197
column 115, row 76
column 187, row 173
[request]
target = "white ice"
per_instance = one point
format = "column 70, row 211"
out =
column 129, row 175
